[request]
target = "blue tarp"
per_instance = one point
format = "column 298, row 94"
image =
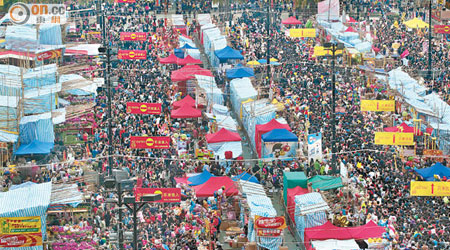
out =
column 436, row 169
column 35, row 147
column 245, row 177
column 228, row 53
column 279, row 135
column 179, row 53
column 187, row 46
column 240, row 72
column 200, row 179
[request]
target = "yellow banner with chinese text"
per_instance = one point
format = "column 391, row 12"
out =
column 378, row 105
column 393, row 138
column 302, row 32
column 430, row 188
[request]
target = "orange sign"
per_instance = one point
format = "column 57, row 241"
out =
column 158, row 142
column 132, row 54
column 393, row 138
column 51, row 54
column 144, row 108
column 442, row 29
column 133, row 36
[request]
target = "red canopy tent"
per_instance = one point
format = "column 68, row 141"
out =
column 351, row 20
column 214, row 183
column 188, row 60
column 188, row 72
column 291, row 193
column 186, row 112
column 172, row 59
column 403, row 128
column 329, row 231
column 350, row 29
column 291, row 20
column 264, row 128
column 223, row 135
column 186, row 101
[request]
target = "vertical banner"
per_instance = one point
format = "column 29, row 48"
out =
column 315, row 146
column 394, row 138
column 154, row 142
column 132, row 54
column 133, row 36
column 168, row 195
column 144, row 108
column 20, row 232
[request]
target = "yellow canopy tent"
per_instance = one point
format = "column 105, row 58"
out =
column 253, row 63
column 416, row 23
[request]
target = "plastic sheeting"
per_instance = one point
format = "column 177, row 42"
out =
column 35, row 147
column 309, row 212
column 200, row 179
column 241, row 90
column 37, row 127
column 220, row 148
column 24, row 37
column 437, row 169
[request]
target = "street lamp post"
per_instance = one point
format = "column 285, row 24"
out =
column 430, row 74
column 333, row 47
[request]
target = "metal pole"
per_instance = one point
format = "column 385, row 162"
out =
column 429, row 42
column 119, row 192
column 268, row 50
column 333, row 110
column 135, row 232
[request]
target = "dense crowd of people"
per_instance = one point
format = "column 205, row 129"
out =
column 378, row 181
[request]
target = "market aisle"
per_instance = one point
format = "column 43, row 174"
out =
column 289, row 239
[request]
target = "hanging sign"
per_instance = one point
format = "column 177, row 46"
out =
column 430, row 188
column 270, row 226
column 51, row 54
column 133, row 36
column 442, row 29
column 302, row 32
column 144, row 108
column 20, row 232
column 378, row 105
column 394, row 138
column 132, row 54
column 155, row 142
column 315, row 146
column 168, row 195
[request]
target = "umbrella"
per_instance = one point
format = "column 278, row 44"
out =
column 273, row 60
column 253, row 63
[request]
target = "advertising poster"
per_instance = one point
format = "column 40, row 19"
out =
column 315, row 146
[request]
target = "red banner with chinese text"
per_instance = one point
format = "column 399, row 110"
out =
column 442, row 29
column 144, row 108
column 133, row 36
column 51, row 54
column 132, row 54
column 158, row 142
column 167, row 194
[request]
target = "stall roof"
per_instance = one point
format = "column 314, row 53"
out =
column 279, row 135
column 208, row 188
column 186, row 112
column 437, row 169
column 228, row 53
column 186, row 101
column 188, row 60
column 199, row 179
column 245, row 177
column 35, row 147
column 325, row 182
column 223, row 135
column 26, row 200
column 171, row 59
column 240, row 72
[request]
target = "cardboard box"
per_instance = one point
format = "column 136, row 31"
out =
column 242, row 239
column 234, row 244
column 240, row 244
column 250, row 246
column 284, row 248
column 224, row 226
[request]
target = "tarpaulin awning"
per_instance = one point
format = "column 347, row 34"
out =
column 199, row 179
column 240, row 72
column 172, row 59
column 291, row 193
column 351, row 20
column 35, row 147
column 403, row 128
column 325, row 182
column 264, row 128
column 186, row 112
column 188, row 60
column 415, row 23
column 350, row 29
column 291, row 20
column 292, row 180
column 330, row 231
column 188, row 72
column 187, row 46
column 208, row 188
column 279, row 135
column 223, row 135
column 186, row 101
column 437, row 169
column 228, row 53
column 245, row 177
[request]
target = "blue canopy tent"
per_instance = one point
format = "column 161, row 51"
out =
column 179, row 53
column 200, row 179
column 228, row 53
column 245, row 177
column 279, row 135
column 35, row 147
column 240, row 72
column 187, row 46
column 437, row 169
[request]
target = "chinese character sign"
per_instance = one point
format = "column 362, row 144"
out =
column 167, row 194
column 430, row 188
column 52, row 54
column 144, row 108
column 133, row 36
column 132, row 54
column 302, row 32
column 393, row 138
column 155, row 142
column 442, row 29
column 20, row 232
column 377, row 105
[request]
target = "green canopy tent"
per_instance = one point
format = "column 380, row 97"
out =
column 292, row 180
column 325, row 182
